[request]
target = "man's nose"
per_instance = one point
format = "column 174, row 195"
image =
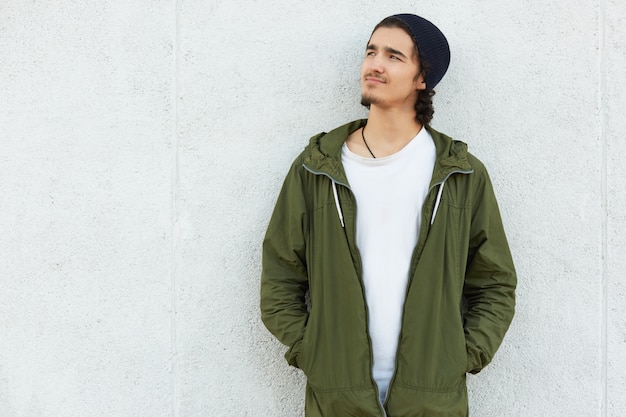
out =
column 376, row 64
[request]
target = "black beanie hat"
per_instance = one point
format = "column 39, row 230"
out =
column 432, row 46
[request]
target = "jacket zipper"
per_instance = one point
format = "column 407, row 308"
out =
column 456, row 171
column 312, row 171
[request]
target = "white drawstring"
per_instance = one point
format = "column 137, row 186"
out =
column 432, row 219
column 339, row 212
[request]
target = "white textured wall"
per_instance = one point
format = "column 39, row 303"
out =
column 142, row 146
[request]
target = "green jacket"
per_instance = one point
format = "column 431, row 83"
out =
column 460, row 297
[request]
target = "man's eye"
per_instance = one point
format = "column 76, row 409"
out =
column 394, row 57
column 370, row 53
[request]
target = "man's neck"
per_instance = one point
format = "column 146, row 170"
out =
column 390, row 130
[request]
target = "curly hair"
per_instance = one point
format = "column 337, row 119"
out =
column 424, row 109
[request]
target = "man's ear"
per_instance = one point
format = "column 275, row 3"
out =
column 420, row 84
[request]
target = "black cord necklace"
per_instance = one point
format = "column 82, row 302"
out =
column 365, row 142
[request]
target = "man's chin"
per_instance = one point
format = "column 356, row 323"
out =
column 367, row 100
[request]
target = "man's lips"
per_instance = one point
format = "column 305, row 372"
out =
column 374, row 80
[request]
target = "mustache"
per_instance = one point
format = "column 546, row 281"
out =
column 378, row 77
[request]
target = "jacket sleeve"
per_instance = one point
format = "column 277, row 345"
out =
column 490, row 279
column 284, row 280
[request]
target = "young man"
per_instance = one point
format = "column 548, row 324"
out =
column 393, row 230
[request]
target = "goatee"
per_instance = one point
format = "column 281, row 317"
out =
column 367, row 100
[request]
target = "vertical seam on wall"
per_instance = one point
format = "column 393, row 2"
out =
column 175, row 238
column 604, row 197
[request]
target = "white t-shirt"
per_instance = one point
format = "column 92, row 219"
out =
column 389, row 192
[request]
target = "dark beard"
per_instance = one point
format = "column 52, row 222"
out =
column 367, row 100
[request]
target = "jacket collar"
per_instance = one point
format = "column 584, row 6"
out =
column 323, row 154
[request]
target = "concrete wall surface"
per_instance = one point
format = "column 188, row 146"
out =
column 142, row 147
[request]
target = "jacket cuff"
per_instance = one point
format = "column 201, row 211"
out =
column 293, row 353
column 473, row 362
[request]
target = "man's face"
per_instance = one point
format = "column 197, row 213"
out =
column 389, row 73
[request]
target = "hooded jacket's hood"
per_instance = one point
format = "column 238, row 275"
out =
column 323, row 153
